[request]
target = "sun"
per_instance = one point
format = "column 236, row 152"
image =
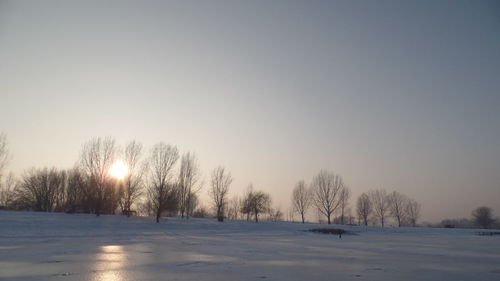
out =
column 119, row 170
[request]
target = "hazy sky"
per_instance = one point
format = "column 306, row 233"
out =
column 402, row 95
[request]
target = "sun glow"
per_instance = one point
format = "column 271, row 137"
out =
column 119, row 170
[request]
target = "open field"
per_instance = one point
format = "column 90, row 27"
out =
column 49, row 246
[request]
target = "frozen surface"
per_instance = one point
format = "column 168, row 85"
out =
column 42, row 246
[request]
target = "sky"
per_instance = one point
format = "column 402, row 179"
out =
column 401, row 95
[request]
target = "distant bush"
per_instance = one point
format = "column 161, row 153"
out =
column 456, row 223
column 200, row 213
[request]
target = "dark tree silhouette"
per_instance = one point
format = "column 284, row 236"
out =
column 78, row 194
column 133, row 183
column 483, row 217
column 260, row 202
column 161, row 163
column 96, row 159
column 42, row 189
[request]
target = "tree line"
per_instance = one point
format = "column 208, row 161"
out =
column 150, row 183
column 158, row 182
column 480, row 217
column 330, row 196
column 162, row 181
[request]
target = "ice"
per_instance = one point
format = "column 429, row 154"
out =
column 52, row 246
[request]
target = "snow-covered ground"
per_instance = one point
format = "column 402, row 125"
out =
column 42, row 246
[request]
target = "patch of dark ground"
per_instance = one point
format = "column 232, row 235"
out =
column 335, row 231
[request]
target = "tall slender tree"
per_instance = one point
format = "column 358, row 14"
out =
column 96, row 159
column 221, row 180
column 133, row 182
column 364, row 208
column 397, row 204
column 301, row 199
column 5, row 189
column 161, row 164
column 380, row 203
column 345, row 195
column 186, row 184
column 412, row 210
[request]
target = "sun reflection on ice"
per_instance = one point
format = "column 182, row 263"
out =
column 110, row 263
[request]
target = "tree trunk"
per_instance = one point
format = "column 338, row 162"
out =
column 329, row 221
column 220, row 216
column 303, row 219
column 158, row 215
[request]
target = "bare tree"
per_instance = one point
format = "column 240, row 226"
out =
column 483, row 217
column 161, row 163
column 326, row 189
column 221, row 180
column 133, row 182
column 301, row 199
column 397, row 206
column 364, row 207
column 234, row 207
column 275, row 214
column 4, row 159
column 290, row 214
column 345, row 195
column 412, row 210
column 4, row 154
column 78, row 195
column 96, row 160
column 188, row 177
column 41, row 189
column 380, row 204
column 7, row 194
